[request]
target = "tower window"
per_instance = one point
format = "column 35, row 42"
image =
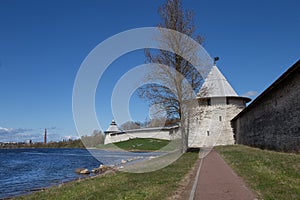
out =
column 220, row 118
column 208, row 102
column 207, row 133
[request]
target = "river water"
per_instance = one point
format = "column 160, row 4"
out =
column 26, row 170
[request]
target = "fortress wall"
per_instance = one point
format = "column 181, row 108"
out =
column 211, row 126
column 272, row 121
column 142, row 133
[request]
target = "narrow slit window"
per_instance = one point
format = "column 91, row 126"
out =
column 220, row 118
column 207, row 133
column 208, row 102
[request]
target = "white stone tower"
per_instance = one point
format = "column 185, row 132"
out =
column 112, row 131
column 113, row 128
column 218, row 104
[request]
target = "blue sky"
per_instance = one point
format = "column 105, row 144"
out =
column 43, row 43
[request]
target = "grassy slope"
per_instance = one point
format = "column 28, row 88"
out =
column 273, row 175
column 139, row 144
column 154, row 185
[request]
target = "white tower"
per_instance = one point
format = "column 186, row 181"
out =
column 218, row 104
column 113, row 128
column 112, row 131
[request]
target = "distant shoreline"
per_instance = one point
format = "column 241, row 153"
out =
column 29, row 147
column 61, row 144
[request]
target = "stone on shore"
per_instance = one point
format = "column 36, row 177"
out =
column 78, row 170
column 101, row 168
column 85, row 171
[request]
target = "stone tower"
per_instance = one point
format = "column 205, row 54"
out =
column 218, row 104
column 113, row 128
column 45, row 136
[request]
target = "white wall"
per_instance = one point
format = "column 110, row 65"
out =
column 212, row 127
column 142, row 133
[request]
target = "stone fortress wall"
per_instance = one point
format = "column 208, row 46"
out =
column 214, row 127
column 272, row 120
column 211, row 125
column 164, row 133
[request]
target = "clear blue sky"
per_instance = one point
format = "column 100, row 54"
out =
column 43, row 43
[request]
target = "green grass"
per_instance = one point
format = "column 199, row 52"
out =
column 158, row 185
column 139, row 144
column 273, row 175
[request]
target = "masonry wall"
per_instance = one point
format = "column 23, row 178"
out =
column 143, row 133
column 273, row 121
column 211, row 125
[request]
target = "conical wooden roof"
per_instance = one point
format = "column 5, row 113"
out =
column 113, row 128
column 216, row 85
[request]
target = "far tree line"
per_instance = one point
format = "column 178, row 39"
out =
column 156, row 122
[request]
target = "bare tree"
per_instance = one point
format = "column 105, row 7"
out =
column 179, row 79
column 93, row 140
column 130, row 125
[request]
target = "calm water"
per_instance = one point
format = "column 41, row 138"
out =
column 25, row 170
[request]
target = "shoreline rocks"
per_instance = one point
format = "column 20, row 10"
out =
column 85, row 171
column 82, row 171
column 103, row 168
column 78, row 170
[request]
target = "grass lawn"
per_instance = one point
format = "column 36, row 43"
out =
column 273, row 175
column 154, row 185
column 139, row 144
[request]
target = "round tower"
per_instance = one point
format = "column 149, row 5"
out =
column 112, row 129
column 111, row 133
column 218, row 104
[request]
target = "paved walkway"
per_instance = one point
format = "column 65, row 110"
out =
column 217, row 181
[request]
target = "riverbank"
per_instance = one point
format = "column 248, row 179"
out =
column 31, row 169
column 26, row 169
column 159, row 184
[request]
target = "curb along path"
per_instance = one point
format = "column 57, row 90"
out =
column 215, row 180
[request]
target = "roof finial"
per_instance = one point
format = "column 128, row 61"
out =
column 113, row 122
column 215, row 60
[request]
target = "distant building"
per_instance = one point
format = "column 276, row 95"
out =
column 272, row 120
column 28, row 141
column 218, row 104
column 45, row 136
